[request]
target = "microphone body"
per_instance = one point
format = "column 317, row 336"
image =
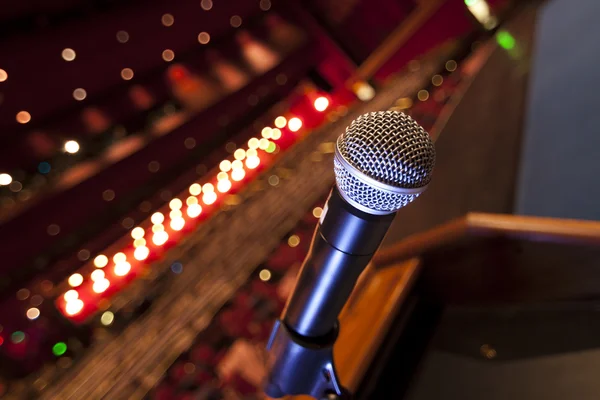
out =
column 343, row 244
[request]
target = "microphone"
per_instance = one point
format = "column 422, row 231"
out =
column 382, row 162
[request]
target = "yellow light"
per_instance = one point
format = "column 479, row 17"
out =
column 266, row 132
column 107, row 318
column 238, row 174
column 451, row 65
column 363, row 91
column 317, row 211
column 100, row 286
column 71, row 295
column 194, row 210
column 33, row 313
column 122, row 268
column 97, row 275
column 280, row 121
column 239, row 154
column 73, row 307
column 263, row 144
column 203, row 37
column 225, row 165
column 275, row 134
column 127, row 74
column 119, row 257
column 138, row 232
column 158, row 228
column 160, row 238
column 68, row 54
column 252, row 162
column 321, row 103
column 252, row 144
column 237, row 164
column 139, row 242
column 209, row 197
column 141, row 253
column 293, row 241
column 264, row 275
column 157, row 218
column 295, row 124
column 175, row 214
column 5, row 179
column 437, row 80
column 175, row 204
column 222, row 175
column 177, row 224
column 423, row 95
column 404, row 103
column 3, row 75
column 195, row 189
column 79, row 94
column 208, row 187
column 100, row 261
column 23, row 117
column 168, row 55
column 251, row 153
column 75, row 280
column 224, row 185
column 191, row 200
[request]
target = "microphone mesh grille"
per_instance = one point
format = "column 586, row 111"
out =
column 389, row 147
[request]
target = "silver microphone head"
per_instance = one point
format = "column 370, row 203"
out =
column 383, row 162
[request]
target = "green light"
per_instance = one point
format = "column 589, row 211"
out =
column 271, row 148
column 59, row 349
column 17, row 337
column 505, row 40
column 470, row 3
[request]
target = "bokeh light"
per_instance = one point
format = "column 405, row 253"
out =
column 71, row 146
column 71, row 295
column 74, row 307
column 141, row 253
column 280, row 121
column 97, row 275
column 264, row 275
column 175, row 204
column 100, row 261
column 195, row 189
column 122, row 268
column 137, row 232
column 119, row 257
column 157, row 218
column 225, row 166
column 5, row 179
column 224, row 185
column 194, row 210
column 177, row 224
column 209, row 197
column 275, row 134
column 101, row 285
column 107, row 318
column 75, row 280
column 321, row 103
column 238, row 174
column 160, row 238
column 294, row 124
column 33, row 313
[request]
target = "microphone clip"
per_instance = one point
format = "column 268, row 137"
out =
column 301, row 365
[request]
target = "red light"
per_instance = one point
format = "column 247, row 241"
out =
column 1, row 340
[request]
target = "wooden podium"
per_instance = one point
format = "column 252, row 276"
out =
column 477, row 259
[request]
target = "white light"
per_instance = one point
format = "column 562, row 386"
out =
column 210, row 197
column 119, row 257
column 75, row 280
column 160, row 238
column 364, row 91
column 73, row 307
column 237, row 164
column 97, row 275
column 239, row 154
column 280, row 121
column 195, row 189
column 252, row 162
column 194, row 210
column 107, row 318
column 122, row 268
column 157, row 218
column 100, row 261
column 71, row 146
column 263, row 144
column 177, row 224
column 175, row 204
column 225, row 165
column 5, row 179
column 266, row 132
column 137, row 233
column 294, row 124
column 33, row 313
column 141, row 253
column 71, row 295
column 321, row 103
column 100, row 286
column 222, row 175
column 175, row 214
column 224, row 185
column 238, row 174
column 251, row 153
column 253, row 143
column 275, row 134
column 208, row 187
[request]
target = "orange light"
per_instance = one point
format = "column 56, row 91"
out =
column 175, row 204
column 119, row 257
column 225, row 166
column 238, row 174
column 122, row 268
column 139, row 242
column 71, row 295
column 280, row 121
column 195, row 189
column 160, row 238
column 321, row 103
column 194, row 210
column 137, row 233
column 127, row 74
column 3, row 75
column 23, row 117
column 157, row 218
column 275, row 134
column 101, row 285
column 141, row 253
column 209, row 198
column 75, row 280
column 252, row 162
column 73, row 307
column 295, row 124
column 168, row 55
column 177, row 224
column 224, row 185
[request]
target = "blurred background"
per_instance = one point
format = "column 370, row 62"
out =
column 163, row 164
